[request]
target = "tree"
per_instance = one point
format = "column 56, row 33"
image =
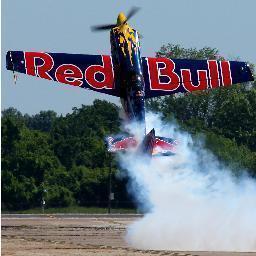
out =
column 26, row 156
column 174, row 51
column 18, row 192
column 13, row 115
column 78, row 138
column 42, row 121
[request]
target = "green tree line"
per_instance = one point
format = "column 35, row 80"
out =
column 60, row 158
column 63, row 159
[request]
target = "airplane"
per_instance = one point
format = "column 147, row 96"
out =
column 130, row 77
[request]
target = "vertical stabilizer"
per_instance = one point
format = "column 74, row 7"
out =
column 147, row 145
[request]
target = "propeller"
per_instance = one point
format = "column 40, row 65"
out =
column 131, row 13
column 103, row 27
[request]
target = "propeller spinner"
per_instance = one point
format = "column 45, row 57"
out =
column 121, row 20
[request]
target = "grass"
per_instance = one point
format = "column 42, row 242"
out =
column 74, row 209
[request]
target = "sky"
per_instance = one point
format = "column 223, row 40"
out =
column 64, row 26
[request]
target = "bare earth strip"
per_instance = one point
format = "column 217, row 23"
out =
column 76, row 235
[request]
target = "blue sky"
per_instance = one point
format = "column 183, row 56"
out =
column 64, row 26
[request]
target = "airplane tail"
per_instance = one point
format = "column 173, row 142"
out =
column 151, row 145
column 147, row 145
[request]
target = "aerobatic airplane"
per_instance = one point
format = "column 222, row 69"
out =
column 133, row 78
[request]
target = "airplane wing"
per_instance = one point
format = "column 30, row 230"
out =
column 93, row 72
column 164, row 76
column 120, row 143
column 164, row 146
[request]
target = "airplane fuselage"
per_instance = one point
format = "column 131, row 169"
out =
column 125, row 49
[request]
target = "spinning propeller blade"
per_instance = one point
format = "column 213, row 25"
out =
column 132, row 12
column 103, row 27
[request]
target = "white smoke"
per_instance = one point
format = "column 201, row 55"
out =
column 193, row 203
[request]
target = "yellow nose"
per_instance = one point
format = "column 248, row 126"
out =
column 121, row 19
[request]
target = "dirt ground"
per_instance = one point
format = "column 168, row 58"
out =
column 94, row 236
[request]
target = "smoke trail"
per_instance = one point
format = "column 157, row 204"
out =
column 193, row 202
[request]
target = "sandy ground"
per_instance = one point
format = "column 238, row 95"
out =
column 94, row 236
